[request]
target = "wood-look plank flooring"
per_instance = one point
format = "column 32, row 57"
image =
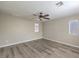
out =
column 38, row 49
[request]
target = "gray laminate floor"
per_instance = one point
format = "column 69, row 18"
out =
column 37, row 49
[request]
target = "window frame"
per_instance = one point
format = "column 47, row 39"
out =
column 36, row 27
column 70, row 22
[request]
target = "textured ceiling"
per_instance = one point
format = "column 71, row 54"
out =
column 26, row 9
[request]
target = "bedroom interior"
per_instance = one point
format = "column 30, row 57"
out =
column 39, row 29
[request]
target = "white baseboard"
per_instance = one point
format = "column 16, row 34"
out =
column 19, row 42
column 36, row 39
column 63, row 43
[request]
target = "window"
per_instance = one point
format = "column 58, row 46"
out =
column 36, row 27
column 74, row 27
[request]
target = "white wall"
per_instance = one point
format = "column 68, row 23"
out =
column 14, row 30
column 57, row 30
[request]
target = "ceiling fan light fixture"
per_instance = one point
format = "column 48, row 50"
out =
column 60, row 3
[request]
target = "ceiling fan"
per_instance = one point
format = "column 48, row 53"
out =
column 41, row 16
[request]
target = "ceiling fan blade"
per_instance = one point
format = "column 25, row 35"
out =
column 41, row 13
